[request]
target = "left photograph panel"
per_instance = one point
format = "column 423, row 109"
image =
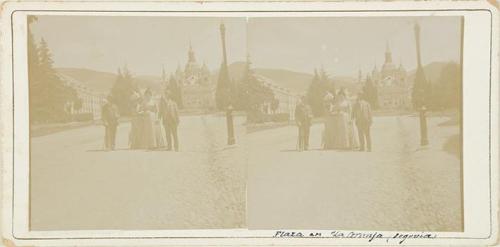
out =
column 131, row 125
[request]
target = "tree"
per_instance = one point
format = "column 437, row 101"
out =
column 175, row 90
column 49, row 94
column 223, row 90
column 421, row 96
column 371, row 93
column 122, row 91
column 451, row 86
column 252, row 92
column 318, row 88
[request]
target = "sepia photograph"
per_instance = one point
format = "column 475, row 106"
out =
column 249, row 124
column 373, row 136
column 128, row 123
column 153, row 123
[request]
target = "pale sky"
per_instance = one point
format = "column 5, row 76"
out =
column 342, row 45
column 145, row 44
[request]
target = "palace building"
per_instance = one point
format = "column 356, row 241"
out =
column 394, row 90
column 196, row 84
column 91, row 100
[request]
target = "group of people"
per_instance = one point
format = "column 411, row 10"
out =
column 153, row 124
column 346, row 124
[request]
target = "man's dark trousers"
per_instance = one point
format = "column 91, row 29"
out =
column 110, row 136
column 364, row 134
column 304, row 137
column 171, row 133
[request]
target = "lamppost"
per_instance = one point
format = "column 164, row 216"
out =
column 230, row 127
column 227, row 90
column 420, row 92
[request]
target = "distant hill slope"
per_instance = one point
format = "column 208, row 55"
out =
column 103, row 81
column 95, row 80
column 432, row 71
column 297, row 82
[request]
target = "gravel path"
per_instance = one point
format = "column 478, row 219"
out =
column 398, row 186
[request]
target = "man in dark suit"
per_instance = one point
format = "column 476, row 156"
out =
column 303, row 116
column 109, row 115
column 362, row 115
column 169, row 114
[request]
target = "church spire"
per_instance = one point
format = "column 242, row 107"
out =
column 388, row 55
column 191, row 57
column 163, row 75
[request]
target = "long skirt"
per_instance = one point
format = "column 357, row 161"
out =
column 148, row 138
column 337, row 131
column 353, row 136
column 160, row 135
column 135, row 134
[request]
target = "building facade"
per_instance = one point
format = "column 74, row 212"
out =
column 394, row 90
column 196, row 85
column 287, row 100
column 91, row 101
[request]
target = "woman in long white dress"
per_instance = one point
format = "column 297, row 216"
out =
column 147, row 111
column 135, row 122
column 341, row 120
column 329, row 121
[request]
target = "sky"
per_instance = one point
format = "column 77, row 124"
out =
column 344, row 45
column 341, row 45
column 144, row 44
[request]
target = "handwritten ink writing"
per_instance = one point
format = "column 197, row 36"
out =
column 285, row 234
column 404, row 237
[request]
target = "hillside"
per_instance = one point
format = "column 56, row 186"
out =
column 297, row 82
column 95, row 80
column 432, row 72
column 103, row 81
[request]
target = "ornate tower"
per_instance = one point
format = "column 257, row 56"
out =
column 191, row 69
column 388, row 55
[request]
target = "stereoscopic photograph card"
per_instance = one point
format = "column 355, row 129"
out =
column 249, row 123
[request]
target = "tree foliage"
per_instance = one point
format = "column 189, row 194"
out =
column 446, row 91
column 122, row 91
column 224, row 90
column 50, row 97
column 252, row 92
column 320, row 85
column 174, row 88
column 370, row 93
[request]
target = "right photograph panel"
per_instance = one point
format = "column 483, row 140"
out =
column 363, row 131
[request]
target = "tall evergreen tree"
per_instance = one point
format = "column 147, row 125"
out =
column 451, row 86
column 318, row 88
column 122, row 91
column 50, row 97
column 175, row 89
column 421, row 96
column 371, row 93
column 252, row 92
column 224, row 89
